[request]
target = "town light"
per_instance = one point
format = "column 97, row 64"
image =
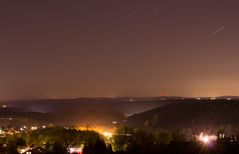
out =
column 206, row 139
column 76, row 150
column 107, row 134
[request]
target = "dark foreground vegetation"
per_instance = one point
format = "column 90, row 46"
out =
column 58, row 140
column 55, row 140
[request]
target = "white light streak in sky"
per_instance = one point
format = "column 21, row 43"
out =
column 217, row 31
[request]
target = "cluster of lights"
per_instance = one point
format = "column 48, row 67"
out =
column 131, row 100
column 34, row 128
column 114, row 122
column 24, row 150
column 108, row 135
column 77, row 150
column 206, row 139
column 105, row 131
column 8, row 132
column 213, row 98
column 12, row 131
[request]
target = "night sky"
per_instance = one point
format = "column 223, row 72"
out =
column 84, row 48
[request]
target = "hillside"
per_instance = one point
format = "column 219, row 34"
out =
column 189, row 113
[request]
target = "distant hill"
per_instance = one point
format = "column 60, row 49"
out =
column 15, row 117
column 189, row 113
column 82, row 110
